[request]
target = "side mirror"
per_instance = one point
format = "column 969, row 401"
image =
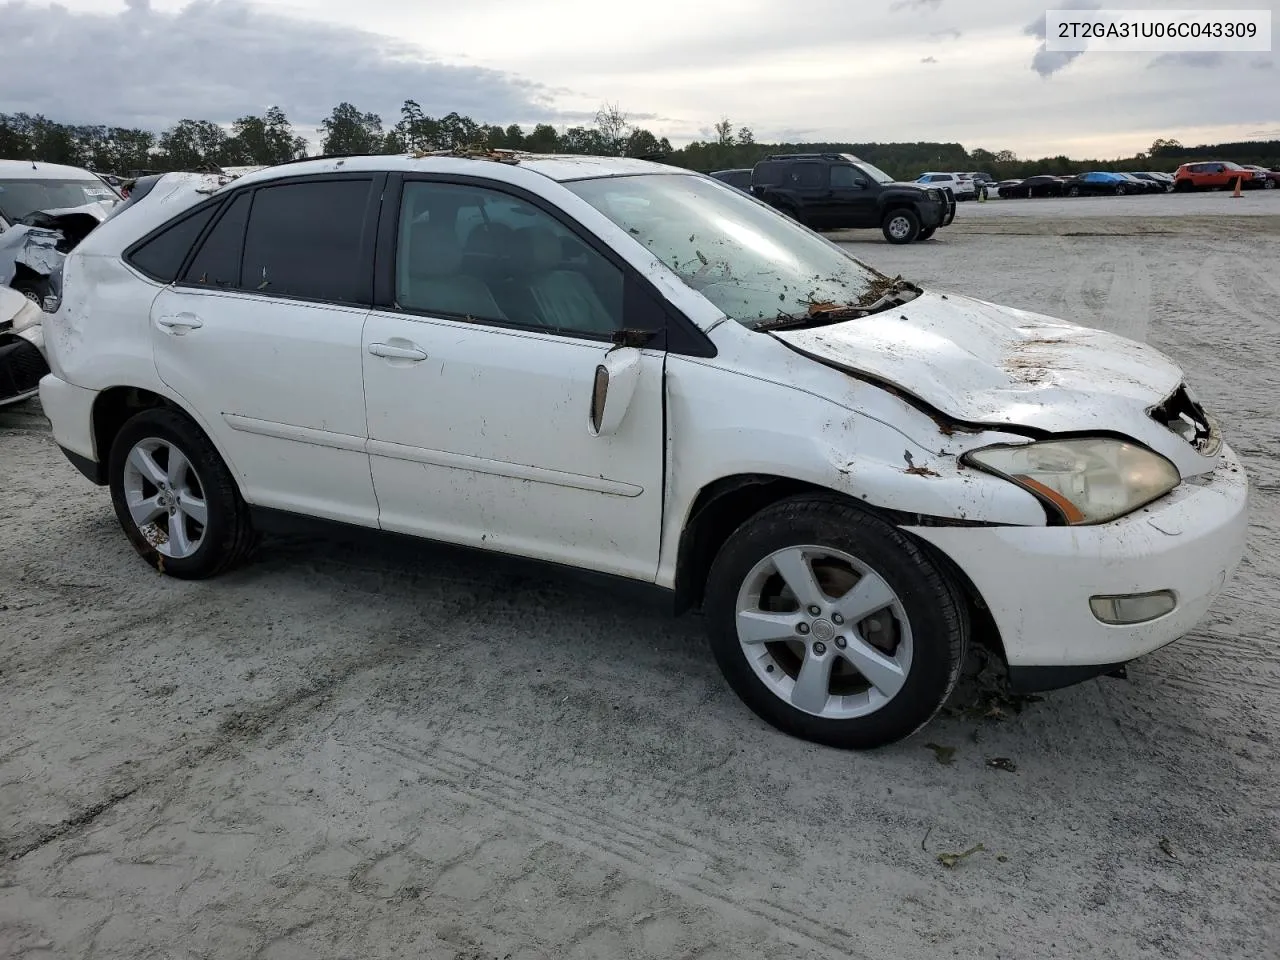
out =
column 859, row 181
column 615, row 385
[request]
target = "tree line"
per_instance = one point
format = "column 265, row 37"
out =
column 271, row 139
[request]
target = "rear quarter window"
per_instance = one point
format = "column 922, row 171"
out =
column 162, row 256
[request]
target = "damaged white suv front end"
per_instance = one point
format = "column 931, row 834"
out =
column 22, row 362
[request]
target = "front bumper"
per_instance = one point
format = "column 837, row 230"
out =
column 1037, row 581
column 21, row 367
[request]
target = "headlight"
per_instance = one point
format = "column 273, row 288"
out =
column 934, row 194
column 1086, row 480
column 28, row 315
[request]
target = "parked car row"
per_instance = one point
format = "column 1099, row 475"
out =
column 1216, row 175
column 1093, row 183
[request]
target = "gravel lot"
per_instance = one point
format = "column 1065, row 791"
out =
column 398, row 751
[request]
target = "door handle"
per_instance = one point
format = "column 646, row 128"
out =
column 180, row 323
column 392, row 352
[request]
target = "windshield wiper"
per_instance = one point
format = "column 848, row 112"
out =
column 882, row 294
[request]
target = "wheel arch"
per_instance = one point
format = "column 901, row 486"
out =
column 115, row 406
column 723, row 505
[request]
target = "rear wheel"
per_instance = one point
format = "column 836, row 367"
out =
column 1183, row 186
column 1121, row 189
column 1073, row 192
column 833, row 625
column 900, row 225
column 176, row 499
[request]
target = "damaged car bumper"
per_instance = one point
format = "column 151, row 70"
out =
column 22, row 362
column 1072, row 602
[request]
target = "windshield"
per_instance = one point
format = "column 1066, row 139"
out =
column 875, row 173
column 21, row 197
column 750, row 261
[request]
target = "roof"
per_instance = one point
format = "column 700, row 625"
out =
column 559, row 167
column 38, row 170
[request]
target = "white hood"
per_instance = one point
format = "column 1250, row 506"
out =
column 994, row 366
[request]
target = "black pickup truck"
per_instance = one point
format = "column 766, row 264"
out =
column 835, row 190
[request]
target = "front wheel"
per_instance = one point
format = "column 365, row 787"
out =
column 176, row 499
column 1073, row 192
column 1268, row 184
column 833, row 625
column 901, row 226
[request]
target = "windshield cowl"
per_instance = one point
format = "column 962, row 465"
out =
column 883, row 294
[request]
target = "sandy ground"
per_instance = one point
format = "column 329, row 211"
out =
column 355, row 751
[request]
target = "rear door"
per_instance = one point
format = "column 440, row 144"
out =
column 261, row 337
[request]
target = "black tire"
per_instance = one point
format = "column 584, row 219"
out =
column 927, row 232
column 33, row 290
column 228, row 536
column 935, row 611
column 1183, row 186
column 1073, row 192
column 903, row 222
column 1121, row 190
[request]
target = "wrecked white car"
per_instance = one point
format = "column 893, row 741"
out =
column 45, row 211
column 632, row 369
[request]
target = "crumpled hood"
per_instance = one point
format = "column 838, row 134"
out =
column 989, row 365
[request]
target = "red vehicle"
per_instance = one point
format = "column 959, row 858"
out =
column 1213, row 175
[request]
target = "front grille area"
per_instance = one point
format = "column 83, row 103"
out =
column 1182, row 414
column 21, row 367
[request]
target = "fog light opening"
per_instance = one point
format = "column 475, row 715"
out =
column 1130, row 608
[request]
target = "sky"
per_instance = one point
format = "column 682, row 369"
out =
column 967, row 71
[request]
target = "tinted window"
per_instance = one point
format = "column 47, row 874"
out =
column 483, row 255
column 217, row 263
column 161, row 257
column 304, row 240
column 807, row 176
column 843, row 177
column 769, row 174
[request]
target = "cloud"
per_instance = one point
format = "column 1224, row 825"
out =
column 221, row 59
column 1201, row 59
column 1048, row 62
column 1262, row 63
column 928, row 59
column 915, row 4
column 950, row 34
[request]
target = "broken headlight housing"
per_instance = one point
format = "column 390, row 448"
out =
column 1082, row 480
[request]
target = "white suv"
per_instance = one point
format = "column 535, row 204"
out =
column 960, row 184
column 638, row 370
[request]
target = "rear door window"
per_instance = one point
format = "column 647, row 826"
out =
column 305, row 241
column 808, row 176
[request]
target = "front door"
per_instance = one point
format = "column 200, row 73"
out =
column 261, row 336
column 479, row 383
column 851, row 203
